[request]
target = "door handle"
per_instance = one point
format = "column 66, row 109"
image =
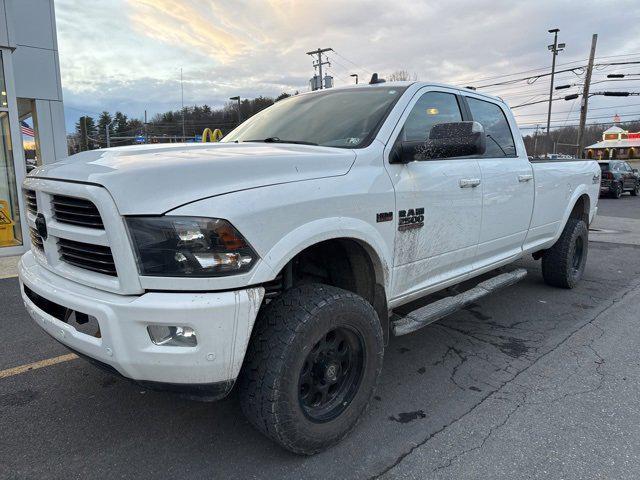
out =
column 525, row 178
column 469, row 182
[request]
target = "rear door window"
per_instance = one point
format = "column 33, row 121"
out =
column 499, row 137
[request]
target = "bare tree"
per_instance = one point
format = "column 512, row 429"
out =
column 402, row 75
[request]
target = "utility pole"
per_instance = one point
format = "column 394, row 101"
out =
column 86, row 136
column 535, row 141
column 319, row 63
column 555, row 48
column 182, row 102
column 585, row 96
column 146, row 133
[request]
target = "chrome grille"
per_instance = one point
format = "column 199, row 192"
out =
column 96, row 258
column 76, row 211
column 32, row 202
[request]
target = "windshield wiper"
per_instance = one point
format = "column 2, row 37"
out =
column 278, row 140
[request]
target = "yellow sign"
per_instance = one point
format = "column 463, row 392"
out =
column 6, row 225
column 211, row 136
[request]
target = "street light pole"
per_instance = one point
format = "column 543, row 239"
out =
column 239, row 114
column 356, row 77
column 555, row 48
column 182, row 103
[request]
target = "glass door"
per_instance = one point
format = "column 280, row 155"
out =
column 11, row 228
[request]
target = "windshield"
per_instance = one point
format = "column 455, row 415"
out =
column 346, row 118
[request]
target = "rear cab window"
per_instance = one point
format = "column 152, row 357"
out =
column 500, row 141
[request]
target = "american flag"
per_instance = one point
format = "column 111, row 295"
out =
column 25, row 129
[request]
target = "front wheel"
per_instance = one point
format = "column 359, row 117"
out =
column 636, row 190
column 312, row 366
column 617, row 192
column 564, row 263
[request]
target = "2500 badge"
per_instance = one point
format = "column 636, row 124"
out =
column 409, row 219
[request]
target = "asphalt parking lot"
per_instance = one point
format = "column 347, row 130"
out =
column 532, row 382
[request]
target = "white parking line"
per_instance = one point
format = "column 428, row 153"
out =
column 10, row 372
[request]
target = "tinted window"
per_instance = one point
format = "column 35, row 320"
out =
column 499, row 138
column 432, row 108
column 347, row 118
column 604, row 167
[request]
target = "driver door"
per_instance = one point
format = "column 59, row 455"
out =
column 438, row 202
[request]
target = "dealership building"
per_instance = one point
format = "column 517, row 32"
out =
column 32, row 128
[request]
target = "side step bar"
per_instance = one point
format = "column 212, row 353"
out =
column 428, row 314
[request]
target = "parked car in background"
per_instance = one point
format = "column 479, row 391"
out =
column 618, row 177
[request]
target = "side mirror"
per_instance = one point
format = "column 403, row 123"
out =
column 446, row 140
column 635, row 170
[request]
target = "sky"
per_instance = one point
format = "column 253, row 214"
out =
column 127, row 54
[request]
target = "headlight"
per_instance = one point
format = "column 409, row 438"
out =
column 189, row 247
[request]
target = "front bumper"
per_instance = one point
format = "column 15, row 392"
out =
column 222, row 321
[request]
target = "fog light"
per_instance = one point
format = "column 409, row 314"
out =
column 172, row 336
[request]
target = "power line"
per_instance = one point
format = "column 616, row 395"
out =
column 352, row 63
column 517, row 115
column 599, row 117
column 467, row 80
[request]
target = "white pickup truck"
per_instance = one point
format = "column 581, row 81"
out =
column 279, row 258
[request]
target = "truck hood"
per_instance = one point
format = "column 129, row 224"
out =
column 153, row 179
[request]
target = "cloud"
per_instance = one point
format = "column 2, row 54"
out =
column 128, row 53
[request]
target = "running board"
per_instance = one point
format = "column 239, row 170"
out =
column 432, row 312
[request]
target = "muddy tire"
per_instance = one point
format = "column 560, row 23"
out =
column 564, row 263
column 312, row 366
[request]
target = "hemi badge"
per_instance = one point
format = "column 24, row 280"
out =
column 384, row 217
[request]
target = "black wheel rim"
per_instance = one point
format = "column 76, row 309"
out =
column 330, row 375
column 578, row 253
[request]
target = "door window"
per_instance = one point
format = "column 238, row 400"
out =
column 499, row 138
column 431, row 109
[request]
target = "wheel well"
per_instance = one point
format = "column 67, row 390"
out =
column 581, row 209
column 344, row 263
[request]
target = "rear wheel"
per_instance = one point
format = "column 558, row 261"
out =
column 311, row 368
column 564, row 263
column 636, row 190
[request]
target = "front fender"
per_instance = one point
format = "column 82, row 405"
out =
column 330, row 228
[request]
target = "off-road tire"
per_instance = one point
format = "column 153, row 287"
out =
column 285, row 333
column 560, row 268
